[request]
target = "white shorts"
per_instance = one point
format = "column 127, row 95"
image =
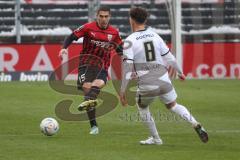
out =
column 165, row 98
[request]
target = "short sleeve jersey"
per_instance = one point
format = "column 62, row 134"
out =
column 98, row 44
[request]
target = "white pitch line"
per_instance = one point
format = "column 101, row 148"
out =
column 125, row 133
column 225, row 131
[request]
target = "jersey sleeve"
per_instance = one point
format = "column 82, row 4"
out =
column 128, row 53
column 79, row 32
column 164, row 48
column 127, row 64
column 119, row 44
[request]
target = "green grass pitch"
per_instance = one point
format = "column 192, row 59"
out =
column 215, row 103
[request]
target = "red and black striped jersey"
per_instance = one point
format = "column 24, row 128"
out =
column 98, row 44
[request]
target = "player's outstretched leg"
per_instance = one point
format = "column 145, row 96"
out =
column 90, row 99
column 89, row 104
column 201, row 133
column 151, row 141
column 186, row 115
column 148, row 120
column 91, row 111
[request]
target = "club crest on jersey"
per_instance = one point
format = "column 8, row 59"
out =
column 109, row 36
column 93, row 34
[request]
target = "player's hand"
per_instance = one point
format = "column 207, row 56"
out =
column 182, row 77
column 62, row 53
column 122, row 97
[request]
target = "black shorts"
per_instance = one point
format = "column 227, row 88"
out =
column 89, row 74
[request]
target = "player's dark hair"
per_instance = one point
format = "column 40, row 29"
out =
column 138, row 14
column 104, row 8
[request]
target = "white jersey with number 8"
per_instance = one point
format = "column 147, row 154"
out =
column 145, row 50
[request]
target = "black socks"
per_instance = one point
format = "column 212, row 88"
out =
column 93, row 93
column 91, row 111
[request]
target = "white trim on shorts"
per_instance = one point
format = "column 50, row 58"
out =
column 165, row 98
column 168, row 97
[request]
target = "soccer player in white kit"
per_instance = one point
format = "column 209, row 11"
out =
column 147, row 57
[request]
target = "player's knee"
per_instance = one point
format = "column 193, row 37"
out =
column 170, row 105
column 143, row 112
column 142, row 106
column 86, row 87
column 99, row 83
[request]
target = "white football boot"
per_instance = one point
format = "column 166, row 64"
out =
column 151, row 141
column 94, row 130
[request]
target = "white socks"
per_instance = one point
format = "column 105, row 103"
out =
column 148, row 121
column 184, row 113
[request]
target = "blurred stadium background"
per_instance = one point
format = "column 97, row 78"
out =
column 31, row 33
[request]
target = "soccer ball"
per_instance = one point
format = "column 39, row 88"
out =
column 49, row 126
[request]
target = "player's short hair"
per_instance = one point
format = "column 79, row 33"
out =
column 104, row 8
column 138, row 14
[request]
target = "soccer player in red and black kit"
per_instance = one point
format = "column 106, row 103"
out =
column 99, row 40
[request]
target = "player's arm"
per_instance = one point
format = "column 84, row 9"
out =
column 171, row 60
column 119, row 45
column 127, row 69
column 119, row 49
column 68, row 40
